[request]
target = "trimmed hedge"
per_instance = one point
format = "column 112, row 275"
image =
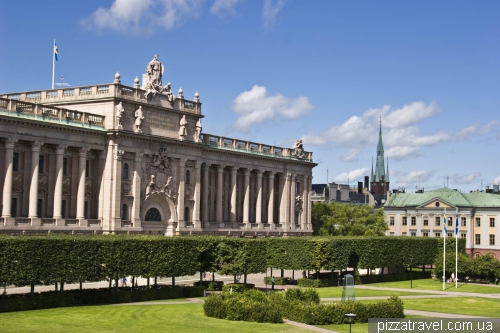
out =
column 237, row 287
column 210, row 285
column 316, row 283
column 280, row 281
column 50, row 299
column 394, row 277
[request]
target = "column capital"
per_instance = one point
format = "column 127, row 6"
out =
column 306, row 178
column 220, row 168
column 206, row 166
column 258, row 173
column 233, row 169
column 197, row 164
column 288, row 176
column 36, row 145
column 246, row 171
column 60, row 149
column 182, row 162
column 271, row 174
column 118, row 154
column 83, row 151
column 10, row 143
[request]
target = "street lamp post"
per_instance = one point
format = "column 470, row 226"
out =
column 411, row 274
column 350, row 316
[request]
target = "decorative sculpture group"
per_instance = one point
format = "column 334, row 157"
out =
column 161, row 176
column 298, row 150
column 155, row 70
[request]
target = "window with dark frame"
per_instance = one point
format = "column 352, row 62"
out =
column 63, row 209
column 413, row 220
column 438, row 221
column 87, row 169
column 464, row 221
column 41, row 160
column 13, row 207
column 492, row 239
column 405, row 220
column 478, row 222
column 478, row 239
column 391, row 220
column 492, row 222
column 65, row 166
column 15, row 162
column 125, row 171
column 39, row 206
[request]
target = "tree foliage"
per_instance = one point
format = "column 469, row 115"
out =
column 339, row 219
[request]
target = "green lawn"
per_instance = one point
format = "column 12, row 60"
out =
column 337, row 292
column 430, row 284
column 474, row 306
column 132, row 318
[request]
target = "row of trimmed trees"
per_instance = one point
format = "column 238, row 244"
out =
column 67, row 259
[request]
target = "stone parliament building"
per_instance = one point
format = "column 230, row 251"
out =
column 116, row 159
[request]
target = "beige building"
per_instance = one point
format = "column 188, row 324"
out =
column 116, row 159
column 423, row 214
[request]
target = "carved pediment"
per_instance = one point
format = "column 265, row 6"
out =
column 436, row 204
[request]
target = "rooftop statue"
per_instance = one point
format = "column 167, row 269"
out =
column 298, row 150
column 155, row 70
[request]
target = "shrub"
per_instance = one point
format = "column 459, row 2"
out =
column 210, row 285
column 302, row 295
column 215, row 307
column 280, row 281
column 237, row 287
column 393, row 277
column 316, row 283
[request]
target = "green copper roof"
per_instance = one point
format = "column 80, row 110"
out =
column 450, row 196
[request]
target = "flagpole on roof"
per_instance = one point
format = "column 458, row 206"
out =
column 53, row 62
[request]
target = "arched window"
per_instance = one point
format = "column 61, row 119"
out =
column 186, row 214
column 153, row 214
column 125, row 171
column 188, row 176
column 125, row 212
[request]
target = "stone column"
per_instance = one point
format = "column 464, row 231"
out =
column 35, row 156
column 270, row 207
column 232, row 215
column 204, row 194
column 305, row 207
column 197, row 195
column 136, row 190
column 7, row 186
column 292, row 201
column 116, row 189
column 59, row 180
column 218, row 208
column 246, row 200
column 101, row 176
column 286, row 202
column 309, row 203
column 80, row 197
column 180, row 199
column 258, row 203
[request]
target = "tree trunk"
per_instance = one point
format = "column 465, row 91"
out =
column 213, row 276
column 173, row 281
column 147, row 285
column 234, row 278
column 62, row 286
column 110, row 284
column 245, row 278
column 156, row 282
column 55, row 286
column 293, row 275
column 282, row 272
column 201, row 276
column 32, row 289
column 133, row 283
column 116, row 283
column 81, row 286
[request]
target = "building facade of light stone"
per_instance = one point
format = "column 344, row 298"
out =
column 434, row 214
column 117, row 159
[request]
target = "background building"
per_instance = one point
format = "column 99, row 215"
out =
column 116, row 159
column 422, row 214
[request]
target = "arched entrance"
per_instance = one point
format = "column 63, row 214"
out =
column 159, row 208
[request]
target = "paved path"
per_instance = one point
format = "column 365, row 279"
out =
column 436, row 292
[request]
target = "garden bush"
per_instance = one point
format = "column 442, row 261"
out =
column 280, row 281
column 316, row 283
column 237, row 287
column 210, row 285
column 394, row 277
column 308, row 295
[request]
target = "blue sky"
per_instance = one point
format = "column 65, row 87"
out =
column 273, row 71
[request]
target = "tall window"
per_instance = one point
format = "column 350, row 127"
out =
column 63, row 209
column 413, row 220
column 478, row 221
column 405, row 220
column 391, row 220
column 297, row 188
column 186, row 214
column 413, row 234
column 492, row 222
column 492, row 239
column 188, row 177
column 41, row 159
column 125, row 171
column 65, row 166
column 39, row 208
column 438, row 221
column 13, row 207
column 426, row 234
column 426, row 221
column 464, row 221
column 124, row 212
column 15, row 162
column 478, row 239
column 463, row 235
column 450, row 221
column 86, row 210
column 87, row 169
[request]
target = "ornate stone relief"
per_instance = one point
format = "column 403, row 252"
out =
column 155, row 70
column 42, row 179
column 298, row 203
column 126, row 188
column 161, row 176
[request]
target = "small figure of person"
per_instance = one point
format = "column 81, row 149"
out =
column 139, row 116
column 204, row 276
column 124, row 282
column 198, row 130
column 272, row 282
column 119, row 115
column 182, row 129
column 452, row 277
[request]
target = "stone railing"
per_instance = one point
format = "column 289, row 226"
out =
column 70, row 94
column 253, row 147
column 44, row 112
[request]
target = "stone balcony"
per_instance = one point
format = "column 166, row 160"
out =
column 104, row 91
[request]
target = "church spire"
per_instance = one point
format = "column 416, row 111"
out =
column 373, row 175
column 379, row 165
column 387, row 172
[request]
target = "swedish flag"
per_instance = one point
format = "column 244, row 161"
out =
column 56, row 51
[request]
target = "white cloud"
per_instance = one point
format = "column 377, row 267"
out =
column 401, row 131
column 496, row 181
column 271, row 9
column 351, row 176
column 457, row 179
column 141, row 17
column 221, row 7
column 414, row 177
column 255, row 106
column 351, row 155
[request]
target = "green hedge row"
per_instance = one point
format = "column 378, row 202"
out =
column 394, row 277
column 278, row 280
column 48, row 259
column 237, row 287
column 316, row 283
column 46, row 300
column 210, row 285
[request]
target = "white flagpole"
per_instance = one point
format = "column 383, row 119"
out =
column 456, row 250
column 53, row 62
column 444, row 250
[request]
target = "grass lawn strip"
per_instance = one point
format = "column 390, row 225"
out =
column 131, row 319
column 431, row 284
